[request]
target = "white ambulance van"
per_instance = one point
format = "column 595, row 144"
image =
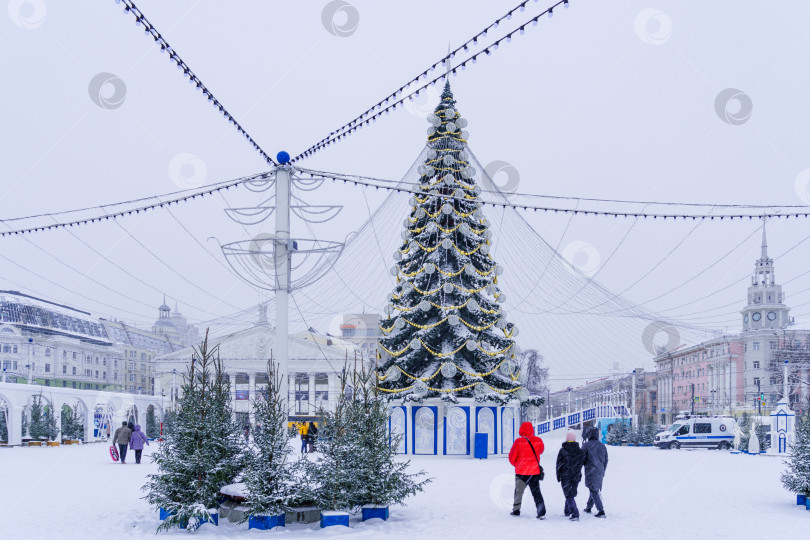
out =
column 698, row 432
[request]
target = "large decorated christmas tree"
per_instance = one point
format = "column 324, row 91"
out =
column 446, row 334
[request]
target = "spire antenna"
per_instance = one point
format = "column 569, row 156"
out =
column 447, row 63
column 764, row 255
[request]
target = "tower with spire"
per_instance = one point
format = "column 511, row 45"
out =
column 765, row 308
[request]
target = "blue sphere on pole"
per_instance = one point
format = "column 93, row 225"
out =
column 283, row 157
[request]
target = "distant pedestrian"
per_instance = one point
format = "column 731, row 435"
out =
column 121, row 438
column 525, row 456
column 136, row 443
column 569, row 473
column 312, row 435
column 247, row 432
column 303, row 431
column 596, row 460
column 108, row 431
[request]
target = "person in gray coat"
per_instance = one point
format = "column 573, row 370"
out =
column 121, row 438
column 596, row 460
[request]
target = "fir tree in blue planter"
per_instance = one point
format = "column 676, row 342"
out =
column 202, row 448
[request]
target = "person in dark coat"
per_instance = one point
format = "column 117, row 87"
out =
column 312, row 436
column 596, row 460
column 525, row 457
column 569, row 473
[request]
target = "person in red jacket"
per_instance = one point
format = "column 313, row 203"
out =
column 525, row 456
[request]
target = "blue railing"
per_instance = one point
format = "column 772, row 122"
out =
column 543, row 428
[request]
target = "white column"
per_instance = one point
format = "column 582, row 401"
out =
column 311, row 387
column 334, row 391
column 281, row 260
column 785, row 391
column 14, row 425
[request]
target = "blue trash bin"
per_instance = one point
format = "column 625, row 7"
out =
column 481, row 445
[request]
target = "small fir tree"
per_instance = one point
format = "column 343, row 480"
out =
column 333, row 474
column 37, row 428
column 49, row 423
column 796, row 477
column 381, row 478
column 202, row 451
column 268, row 472
column 3, row 423
column 152, row 430
column 72, row 422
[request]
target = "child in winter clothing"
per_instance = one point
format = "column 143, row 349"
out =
column 596, row 460
column 569, row 473
column 525, row 456
column 136, row 443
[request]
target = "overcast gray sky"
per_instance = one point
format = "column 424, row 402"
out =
column 611, row 99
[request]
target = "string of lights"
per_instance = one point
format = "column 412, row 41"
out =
column 518, row 195
column 150, row 30
column 208, row 190
column 771, row 212
column 369, row 116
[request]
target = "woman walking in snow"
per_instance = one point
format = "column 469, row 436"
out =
column 569, row 473
column 136, row 443
column 596, row 460
column 525, row 456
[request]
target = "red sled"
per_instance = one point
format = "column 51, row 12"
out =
column 114, row 453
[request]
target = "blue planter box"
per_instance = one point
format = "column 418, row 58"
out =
column 214, row 518
column 807, row 503
column 370, row 512
column 801, row 500
column 264, row 523
column 329, row 519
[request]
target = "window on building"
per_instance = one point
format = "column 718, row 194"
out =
column 133, row 354
column 96, row 374
column 115, row 376
column 74, row 356
column 115, row 363
column 756, row 381
column 773, row 345
column 131, row 377
column 774, row 379
column 756, row 364
column 302, row 393
column 64, row 384
column 96, row 360
column 47, row 368
column 64, row 369
column 104, row 375
column 14, row 363
column 756, row 345
column 6, row 348
column 143, row 356
column 745, row 347
column 104, row 361
column 132, row 366
column 74, row 370
column 143, row 367
column 47, row 382
column 64, row 354
column 321, row 390
column 87, row 373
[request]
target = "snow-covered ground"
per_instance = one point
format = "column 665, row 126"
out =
column 78, row 492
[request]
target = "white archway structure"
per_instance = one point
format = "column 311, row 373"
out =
column 117, row 404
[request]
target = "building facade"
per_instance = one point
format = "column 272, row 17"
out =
column 56, row 345
column 314, row 370
column 743, row 371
